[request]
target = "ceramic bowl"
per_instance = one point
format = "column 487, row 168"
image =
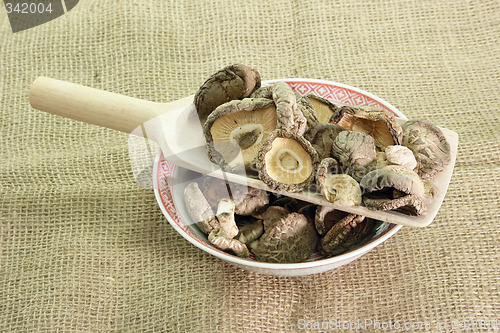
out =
column 169, row 182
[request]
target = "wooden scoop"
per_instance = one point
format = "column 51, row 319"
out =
column 176, row 128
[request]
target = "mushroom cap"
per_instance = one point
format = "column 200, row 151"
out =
column 199, row 209
column 272, row 214
column 326, row 217
column 378, row 123
column 408, row 204
column 400, row 155
column 337, row 188
column 290, row 118
column 392, row 177
column 309, row 113
column 232, row 82
column 345, row 233
column 351, row 147
column 292, row 204
column 323, row 107
column 287, row 162
column 249, row 200
column 228, row 244
column 429, row 145
column 323, row 138
column 214, row 190
column 291, row 239
column 239, row 127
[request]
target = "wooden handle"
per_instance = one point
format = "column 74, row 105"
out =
column 91, row 105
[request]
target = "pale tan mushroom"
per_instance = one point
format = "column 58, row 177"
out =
column 223, row 237
column 287, row 162
column 251, row 232
column 199, row 209
column 337, row 188
column 400, row 155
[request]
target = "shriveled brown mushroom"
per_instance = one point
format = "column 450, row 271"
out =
column 214, row 190
column 323, row 107
column 225, row 216
column 199, row 209
column 248, row 200
column 429, row 145
column 326, row 217
column 292, row 238
column 345, row 233
column 394, row 187
column 290, row 118
column 231, row 82
column 251, row 232
column 223, row 236
column 292, row 204
column 354, row 148
column 272, row 213
column 229, row 244
column 287, row 162
column 323, row 138
column 309, row 113
column 337, row 188
column 239, row 127
column 378, row 123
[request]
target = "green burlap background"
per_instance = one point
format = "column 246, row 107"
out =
column 83, row 249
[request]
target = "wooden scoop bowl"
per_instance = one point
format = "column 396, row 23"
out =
column 176, row 128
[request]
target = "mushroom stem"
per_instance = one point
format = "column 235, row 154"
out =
column 225, row 215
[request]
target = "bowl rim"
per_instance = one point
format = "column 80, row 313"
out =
column 390, row 231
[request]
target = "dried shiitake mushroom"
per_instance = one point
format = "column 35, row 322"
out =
column 429, row 145
column 214, row 190
column 394, row 187
column 272, row 213
column 323, row 138
column 354, row 148
column 292, row 238
column 287, row 162
column 229, row 244
column 326, row 217
column 231, row 82
column 400, row 155
column 251, row 232
column 292, row 204
column 239, row 127
column 323, row 107
column 199, row 209
column 249, row 200
column 290, row 118
column 345, row 233
column 223, row 236
column 309, row 113
column 378, row 123
column 337, row 188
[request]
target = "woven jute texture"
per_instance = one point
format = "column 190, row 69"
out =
column 84, row 249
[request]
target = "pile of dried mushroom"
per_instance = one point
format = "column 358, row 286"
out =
column 351, row 155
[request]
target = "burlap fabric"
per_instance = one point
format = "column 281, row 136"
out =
column 83, row 249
